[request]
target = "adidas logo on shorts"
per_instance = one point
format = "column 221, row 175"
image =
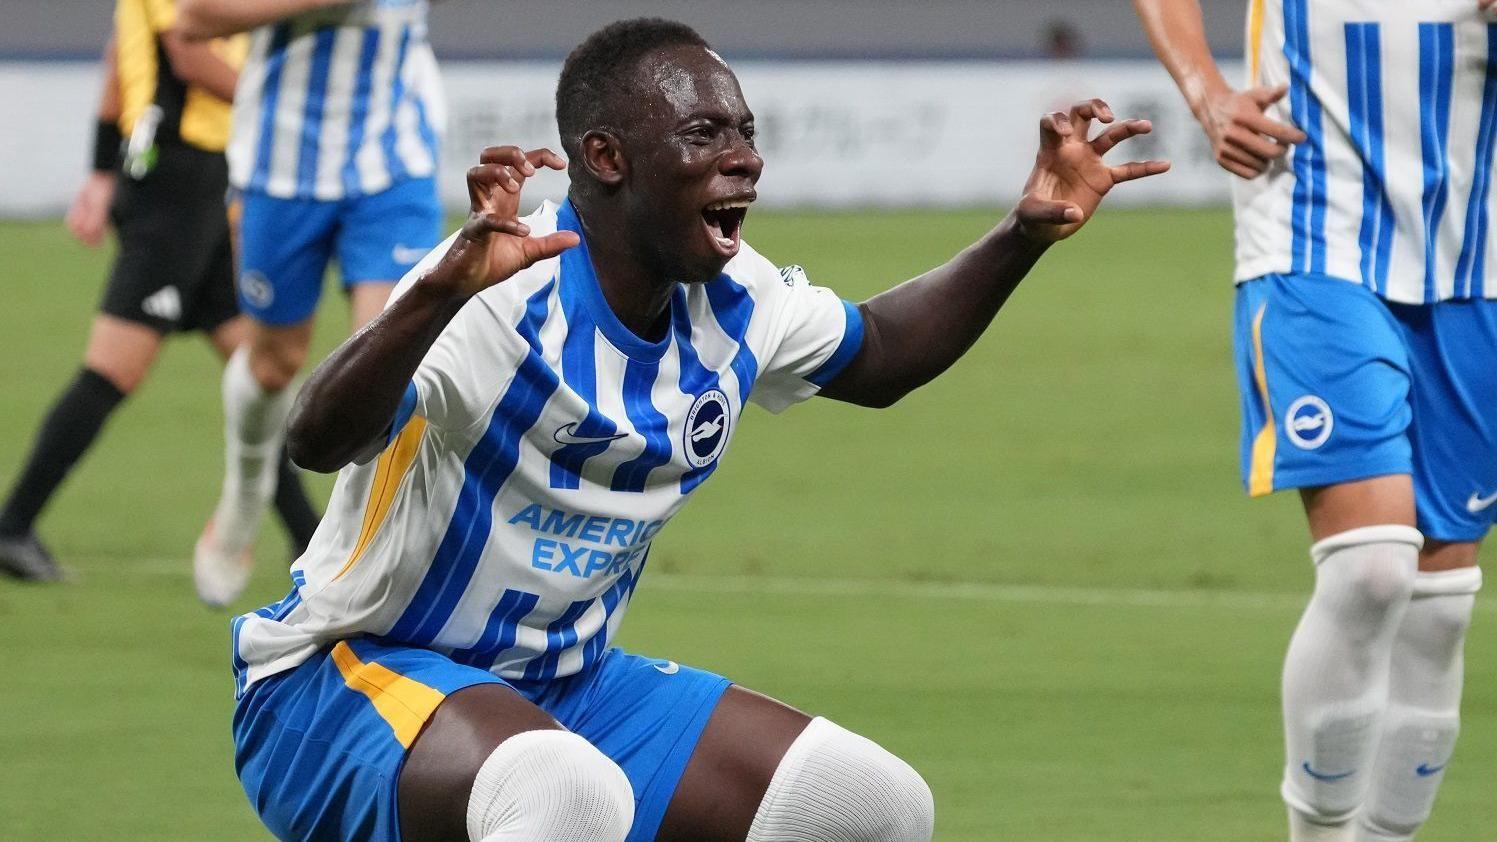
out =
column 164, row 303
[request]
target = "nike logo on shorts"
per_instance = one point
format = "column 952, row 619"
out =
column 1477, row 502
column 406, row 254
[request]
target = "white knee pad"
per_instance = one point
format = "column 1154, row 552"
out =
column 835, row 786
column 549, row 786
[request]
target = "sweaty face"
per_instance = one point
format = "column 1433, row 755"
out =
column 692, row 163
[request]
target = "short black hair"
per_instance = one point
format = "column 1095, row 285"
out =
column 597, row 75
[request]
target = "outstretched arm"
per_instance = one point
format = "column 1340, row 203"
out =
column 347, row 405
column 217, row 18
column 916, row 330
column 1243, row 140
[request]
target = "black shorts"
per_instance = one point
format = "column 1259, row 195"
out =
column 175, row 267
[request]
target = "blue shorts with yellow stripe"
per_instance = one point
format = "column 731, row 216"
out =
column 1339, row 385
column 319, row 748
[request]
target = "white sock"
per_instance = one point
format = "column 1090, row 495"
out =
column 549, row 786
column 1336, row 675
column 254, row 428
column 1424, row 700
column 835, row 786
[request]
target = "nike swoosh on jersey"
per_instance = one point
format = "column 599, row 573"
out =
column 668, row 668
column 1478, row 502
column 565, row 435
column 1424, row 770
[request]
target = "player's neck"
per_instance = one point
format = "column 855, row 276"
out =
column 636, row 292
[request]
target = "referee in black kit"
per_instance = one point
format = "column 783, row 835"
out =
column 160, row 178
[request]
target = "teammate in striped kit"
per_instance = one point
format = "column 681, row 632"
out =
column 1366, row 332
column 543, row 395
column 333, row 152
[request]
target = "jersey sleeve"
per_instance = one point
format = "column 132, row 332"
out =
column 161, row 14
column 450, row 389
column 814, row 337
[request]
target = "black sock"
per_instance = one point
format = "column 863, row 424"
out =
column 292, row 505
column 67, row 431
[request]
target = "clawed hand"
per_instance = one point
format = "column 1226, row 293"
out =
column 1069, row 177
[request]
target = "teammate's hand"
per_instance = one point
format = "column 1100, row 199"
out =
column 1243, row 139
column 1069, row 177
column 494, row 244
column 1488, row 6
column 88, row 216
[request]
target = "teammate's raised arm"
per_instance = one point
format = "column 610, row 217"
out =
column 1243, row 139
column 916, row 330
column 348, row 403
column 217, row 18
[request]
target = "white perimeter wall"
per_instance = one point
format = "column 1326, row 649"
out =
column 906, row 133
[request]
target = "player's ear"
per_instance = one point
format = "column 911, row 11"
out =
column 603, row 157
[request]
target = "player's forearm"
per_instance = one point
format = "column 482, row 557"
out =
column 917, row 330
column 109, row 98
column 195, row 63
column 216, row 18
column 347, row 405
column 1178, row 34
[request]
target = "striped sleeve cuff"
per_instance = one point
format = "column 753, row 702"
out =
column 852, row 342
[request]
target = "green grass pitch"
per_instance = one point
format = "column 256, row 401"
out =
column 1037, row 579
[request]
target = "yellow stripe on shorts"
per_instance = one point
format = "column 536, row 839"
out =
column 1260, row 477
column 403, row 702
column 393, row 465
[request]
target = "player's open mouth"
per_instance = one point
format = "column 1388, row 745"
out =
column 724, row 221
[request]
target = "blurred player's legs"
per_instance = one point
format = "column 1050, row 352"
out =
column 286, row 245
column 1362, row 405
column 173, row 272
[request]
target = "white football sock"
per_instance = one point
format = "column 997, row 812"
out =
column 549, row 786
column 1424, row 700
column 835, row 786
column 254, row 428
column 1336, row 675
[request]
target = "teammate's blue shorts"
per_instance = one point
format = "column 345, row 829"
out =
column 285, row 245
column 1339, row 385
column 319, row 748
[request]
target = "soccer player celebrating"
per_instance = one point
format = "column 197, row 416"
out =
column 333, row 152
column 1366, row 334
column 543, row 395
column 174, row 270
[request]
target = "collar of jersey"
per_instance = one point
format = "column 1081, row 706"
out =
column 577, row 272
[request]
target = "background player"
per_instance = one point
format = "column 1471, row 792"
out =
column 336, row 123
column 174, row 270
column 1366, row 337
column 555, row 412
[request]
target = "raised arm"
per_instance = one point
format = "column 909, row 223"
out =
column 916, row 330
column 200, row 19
column 1243, row 139
column 346, row 408
column 195, row 62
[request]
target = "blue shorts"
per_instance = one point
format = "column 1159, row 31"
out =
column 1339, row 385
column 319, row 748
column 285, row 245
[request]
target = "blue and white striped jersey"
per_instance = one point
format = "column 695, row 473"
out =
column 338, row 103
column 1393, row 188
column 540, row 449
